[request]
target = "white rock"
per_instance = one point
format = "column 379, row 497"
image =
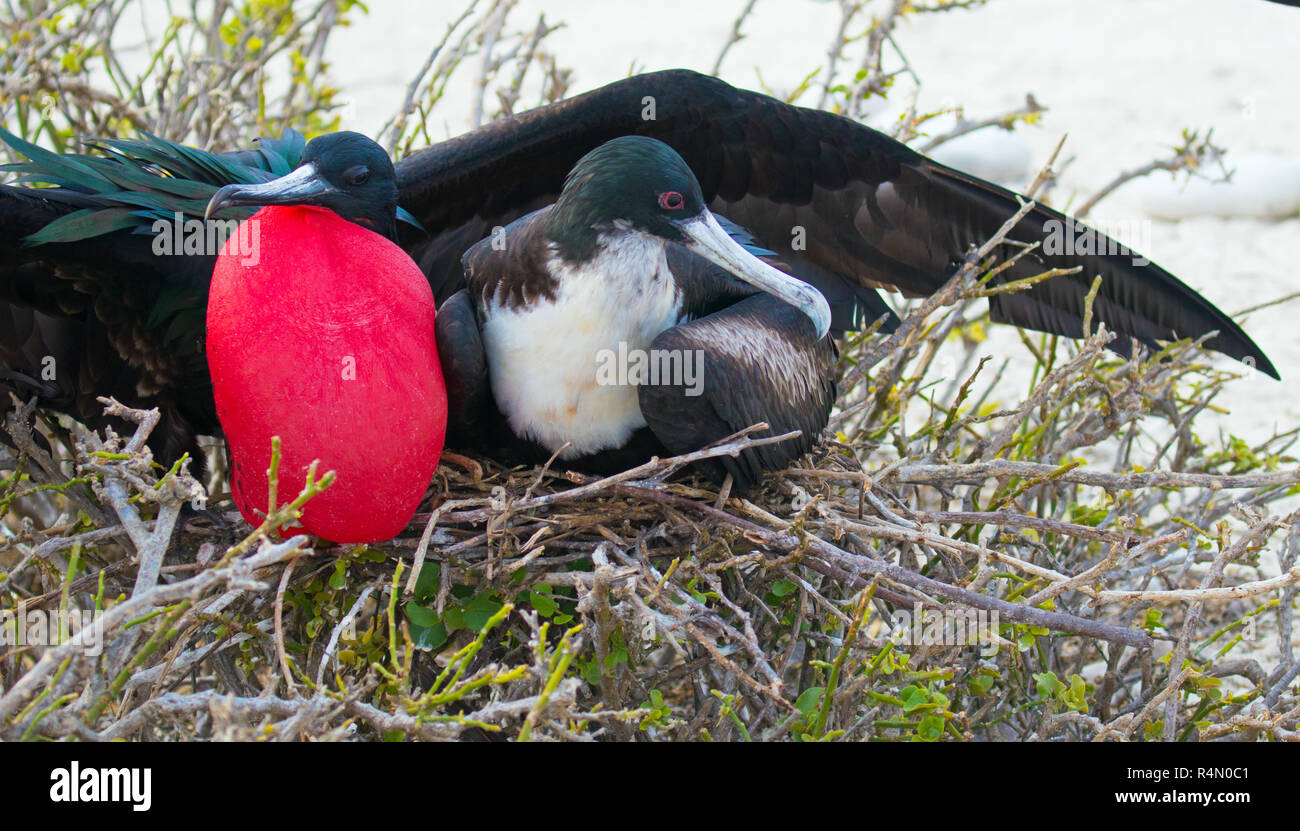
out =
column 992, row 153
column 1263, row 185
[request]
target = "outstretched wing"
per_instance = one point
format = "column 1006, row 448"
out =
column 849, row 209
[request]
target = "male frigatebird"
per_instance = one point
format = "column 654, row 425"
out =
column 322, row 333
column 847, row 209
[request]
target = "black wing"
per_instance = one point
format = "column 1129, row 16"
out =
column 79, row 320
column 868, row 211
column 758, row 360
column 95, row 309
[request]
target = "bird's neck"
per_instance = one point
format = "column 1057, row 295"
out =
column 575, row 229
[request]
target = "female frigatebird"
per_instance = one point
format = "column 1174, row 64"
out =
column 629, row 265
column 870, row 213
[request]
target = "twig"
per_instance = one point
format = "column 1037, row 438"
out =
column 734, row 37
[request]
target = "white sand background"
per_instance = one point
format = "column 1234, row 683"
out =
column 1121, row 77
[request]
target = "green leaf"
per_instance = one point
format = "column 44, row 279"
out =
column 420, row 615
column 544, row 605
column 930, row 729
column 1048, row 684
column 808, row 700
column 479, row 610
column 914, row 698
column 426, row 585
column 339, row 578
column 782, row 588
column 1076, row 697
column 428, row 637
column 1152, row 620
column 453, row 617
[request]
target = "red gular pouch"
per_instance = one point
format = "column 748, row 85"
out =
column 321, row 332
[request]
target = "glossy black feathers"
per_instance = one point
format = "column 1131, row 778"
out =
column 868, row 211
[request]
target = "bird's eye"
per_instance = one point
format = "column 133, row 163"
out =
column 671, row 200
column 356, row 175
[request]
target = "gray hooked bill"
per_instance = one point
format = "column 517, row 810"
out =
column 704, row 236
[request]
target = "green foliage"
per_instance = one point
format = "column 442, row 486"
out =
column 659, row 715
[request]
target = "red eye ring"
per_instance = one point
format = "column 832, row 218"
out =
column 671, row 200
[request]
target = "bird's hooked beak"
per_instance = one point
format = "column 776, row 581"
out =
column 704, row 236
column 302, row 186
